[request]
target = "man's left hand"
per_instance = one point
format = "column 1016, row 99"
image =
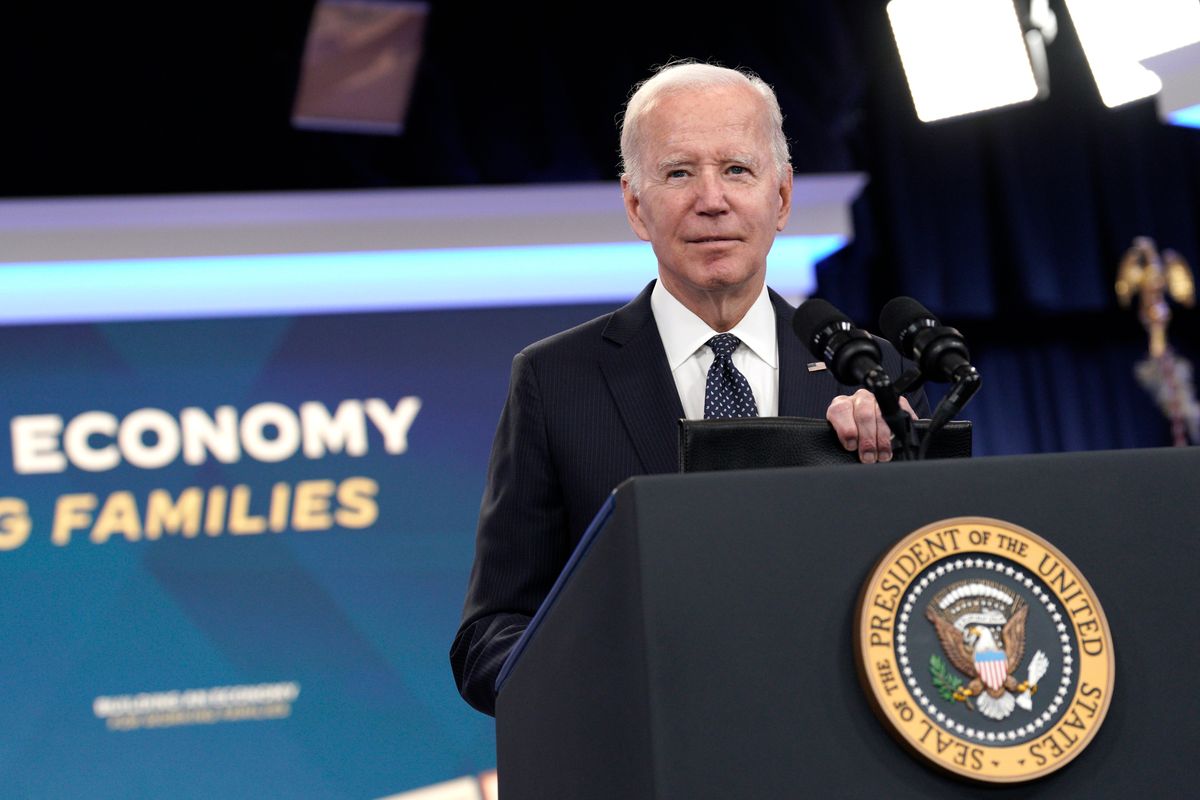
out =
column 860, row 426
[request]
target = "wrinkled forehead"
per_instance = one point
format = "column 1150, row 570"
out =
column 726, row 121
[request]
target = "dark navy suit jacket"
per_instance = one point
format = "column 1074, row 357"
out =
column 587, row 408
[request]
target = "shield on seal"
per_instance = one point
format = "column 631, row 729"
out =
column 992, row 666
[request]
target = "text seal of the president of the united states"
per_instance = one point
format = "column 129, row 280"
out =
column 984, row 650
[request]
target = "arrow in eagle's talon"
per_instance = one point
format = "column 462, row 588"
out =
column 1028, row 688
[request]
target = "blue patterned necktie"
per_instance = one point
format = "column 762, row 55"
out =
column 726, row 392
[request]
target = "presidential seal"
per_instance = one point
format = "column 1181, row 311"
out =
column 984, row 651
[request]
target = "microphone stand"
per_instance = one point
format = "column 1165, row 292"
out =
column 963, row 386
column 879, row 383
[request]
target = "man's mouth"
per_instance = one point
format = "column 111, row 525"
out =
column 712, row 239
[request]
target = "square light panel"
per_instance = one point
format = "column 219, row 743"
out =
column 1117, row 35
column 1179, row 69
column 962, row 56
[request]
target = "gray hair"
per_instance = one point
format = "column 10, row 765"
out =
column 679, row 76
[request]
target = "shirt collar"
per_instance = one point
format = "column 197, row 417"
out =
column 683, row 333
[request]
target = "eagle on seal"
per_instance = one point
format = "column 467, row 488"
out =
column 975, row 653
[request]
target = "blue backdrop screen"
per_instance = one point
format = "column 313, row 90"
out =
column 233, row 552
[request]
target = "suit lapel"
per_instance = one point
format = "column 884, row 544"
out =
column 636, row 371
column 635, row 368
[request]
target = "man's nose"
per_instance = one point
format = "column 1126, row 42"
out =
column 710, row 194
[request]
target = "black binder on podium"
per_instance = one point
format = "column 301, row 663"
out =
column 700, row 642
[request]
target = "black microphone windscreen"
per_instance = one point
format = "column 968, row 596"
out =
column 898, row 314
column 812, row 316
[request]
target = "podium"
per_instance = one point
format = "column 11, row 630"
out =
column 700, row 642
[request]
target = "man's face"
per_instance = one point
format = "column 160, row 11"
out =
column 711, row 199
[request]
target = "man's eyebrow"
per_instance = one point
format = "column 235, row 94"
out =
column 742, row 158
column 673, row 162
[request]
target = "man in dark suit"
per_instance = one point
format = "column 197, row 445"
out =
column 708, row 183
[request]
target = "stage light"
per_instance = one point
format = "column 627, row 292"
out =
column 346, row 282
column 360, row 64
column 65, row 260
column 1117, row 36
column 963, row 56
column 1179, row 70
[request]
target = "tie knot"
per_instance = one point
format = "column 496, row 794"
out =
column 723, row 344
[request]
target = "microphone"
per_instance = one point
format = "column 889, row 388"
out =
column 850, row 353
column 939, row 351
column 853, row 357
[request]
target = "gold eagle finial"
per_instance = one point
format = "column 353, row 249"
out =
column 1167, row 376
column 1143, row 273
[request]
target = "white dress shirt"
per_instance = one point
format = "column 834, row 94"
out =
column 684, row 336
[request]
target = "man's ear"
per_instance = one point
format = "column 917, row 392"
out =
column 633, row 209
column 785, row 196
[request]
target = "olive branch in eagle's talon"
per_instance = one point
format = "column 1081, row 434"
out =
column 948, row 684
